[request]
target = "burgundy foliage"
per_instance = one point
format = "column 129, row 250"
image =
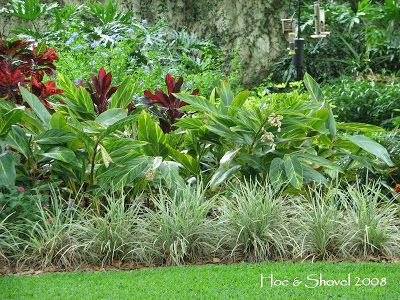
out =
column 166, row 105
column 24, row 64
column 100, row 90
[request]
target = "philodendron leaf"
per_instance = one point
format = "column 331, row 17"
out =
column 36, row 106
column 7, row 170
column 313, row 88
column 372, row 147
column 293, row 170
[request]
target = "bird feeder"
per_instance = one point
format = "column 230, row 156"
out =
column 287, row 26
column 292, row 47
column 319, row 15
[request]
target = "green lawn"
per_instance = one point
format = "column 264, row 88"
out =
column 238, row 281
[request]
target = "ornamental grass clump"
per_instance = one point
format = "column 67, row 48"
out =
column 54, row 240
column 255, row 223
column 371, row 220
column 318, row 224
column 178, row 230
column 8, row 242
column 112, row 235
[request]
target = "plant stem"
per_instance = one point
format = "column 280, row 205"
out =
column 93, row 163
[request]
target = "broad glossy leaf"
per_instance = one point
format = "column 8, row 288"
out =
column 277, row 172
column 313, row 88
column 76, row 97
column 10, row 118
column 150, row 132
column 222, row 174
column 197, row 103
column 123, row 96
column 55, row 137
column 372, row 147
column 168, row 171
column 62, row 154
column 226, row 93
column 7, row 170
column 293, row 170
column 228, row 157
column 18, row 140
column 311, row 175
column 362, row 127
column 111, row 116
column 36, row 106
column 186, row 160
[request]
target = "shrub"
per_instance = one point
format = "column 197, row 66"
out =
column 178, row 230
column 17, row 204
column 24, row 63
column 371, row 220
column 255, row 222
column 364, row 101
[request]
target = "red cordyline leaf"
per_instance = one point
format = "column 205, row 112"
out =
column 168, row 102
column 397, row 188
column 101, row 90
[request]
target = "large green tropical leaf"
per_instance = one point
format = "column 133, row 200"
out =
column 123, row 96
column 76, row 97
column 64, row 155
column 372, row 147
column 313, row 88
column 55, row 137
column 226, row 93
column 186, row 160
column 150, row 132
column 293, row 170
column 222, row 174
column 7, row 170
column 111, row 116
column 18, row 140
column 36, row 106
column 9, row 118
column 277, row 172
column 197, row 103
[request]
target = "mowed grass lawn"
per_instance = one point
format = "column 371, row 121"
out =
column 236, row 281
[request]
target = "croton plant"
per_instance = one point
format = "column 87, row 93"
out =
column 22, row 63
column 165, row 105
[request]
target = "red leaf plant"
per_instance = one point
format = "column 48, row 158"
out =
column 100, row 90
column 10, row 49
column 23, row 65
column 166, row 106
column 10, row 79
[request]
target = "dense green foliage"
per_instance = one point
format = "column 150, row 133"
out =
column 101, row 162
column 365, row 101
